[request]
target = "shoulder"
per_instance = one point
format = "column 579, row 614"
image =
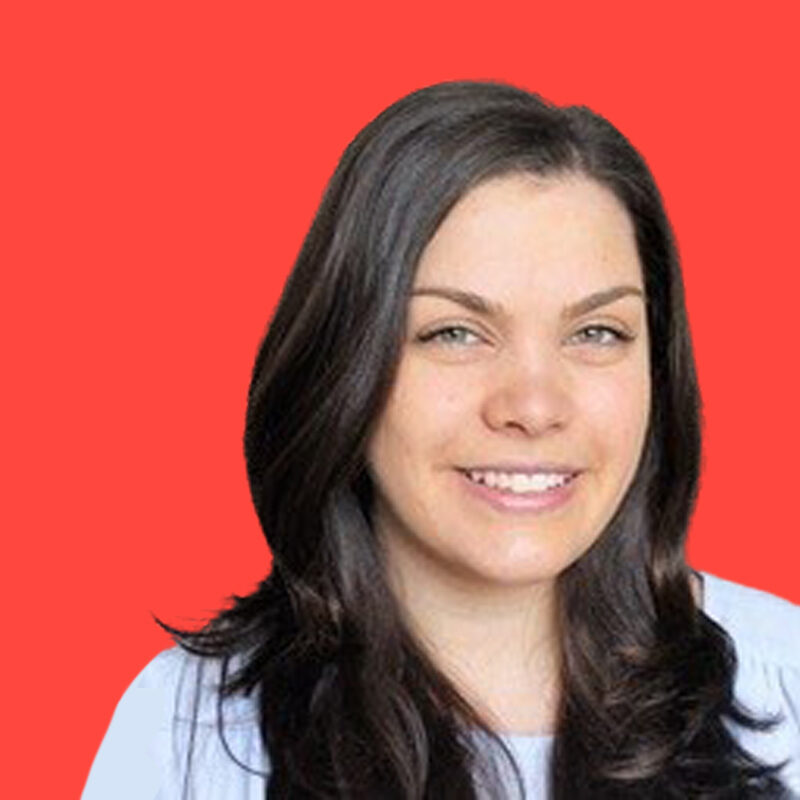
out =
column 168, row 716
column 191, row 684
column 765, row 630
column 761, row 624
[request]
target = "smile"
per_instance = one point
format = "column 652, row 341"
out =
column 519, row 482
column 519, row 493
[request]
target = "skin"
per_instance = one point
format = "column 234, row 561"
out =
column 526, row 386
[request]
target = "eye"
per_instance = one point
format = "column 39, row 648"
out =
column 602, row 335
column 451, row 335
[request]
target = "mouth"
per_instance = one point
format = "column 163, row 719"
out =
column 518, row 492
column 520, row 483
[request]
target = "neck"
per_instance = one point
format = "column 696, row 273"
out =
column 499, row 645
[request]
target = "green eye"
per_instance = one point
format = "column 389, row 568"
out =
column 602, row 335
column 451, row 335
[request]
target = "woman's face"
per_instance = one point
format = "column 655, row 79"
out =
column 522, row 396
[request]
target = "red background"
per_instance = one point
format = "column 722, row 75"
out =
column 164, row 163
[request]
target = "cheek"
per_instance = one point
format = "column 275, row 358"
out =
column 429, row 406
column 616, row 411
column 422, row 415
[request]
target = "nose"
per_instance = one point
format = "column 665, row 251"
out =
column 527, row 394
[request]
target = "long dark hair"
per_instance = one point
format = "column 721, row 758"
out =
column 350, row 706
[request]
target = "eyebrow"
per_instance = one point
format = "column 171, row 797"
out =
column 489, row 308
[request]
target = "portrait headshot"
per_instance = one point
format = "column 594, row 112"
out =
column 473, row 443
column 402, row 403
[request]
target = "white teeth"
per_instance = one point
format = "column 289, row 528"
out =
column 518, row 482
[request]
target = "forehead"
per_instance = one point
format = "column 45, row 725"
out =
column 523, row 231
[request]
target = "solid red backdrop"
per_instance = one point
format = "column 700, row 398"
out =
column 164, row 162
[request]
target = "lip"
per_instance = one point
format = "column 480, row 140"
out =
column 508, row 502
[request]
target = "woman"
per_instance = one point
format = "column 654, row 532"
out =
column 473, row 444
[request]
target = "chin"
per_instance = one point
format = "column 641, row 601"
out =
column 516, row 569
